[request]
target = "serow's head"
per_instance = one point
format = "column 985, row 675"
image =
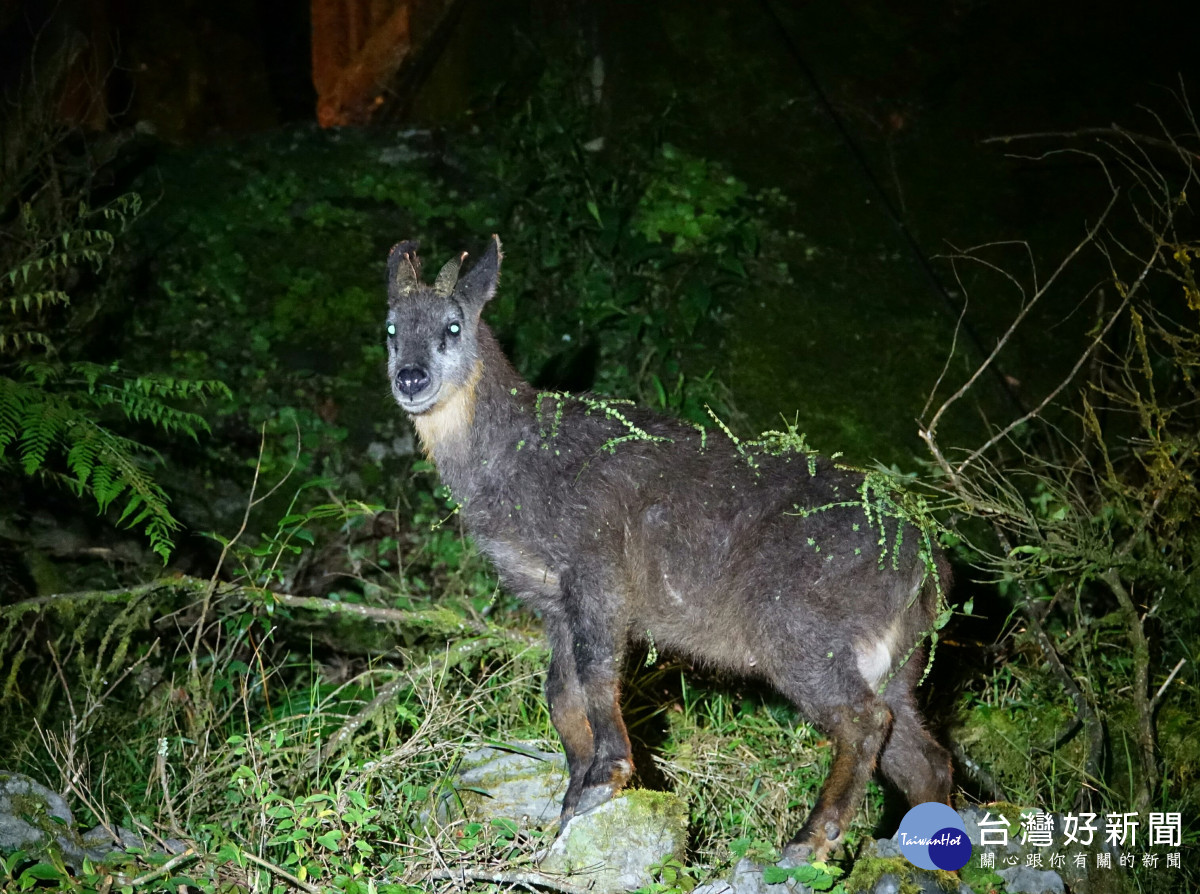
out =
column 433, row 331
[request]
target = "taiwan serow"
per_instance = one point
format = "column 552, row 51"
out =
column 618, row 524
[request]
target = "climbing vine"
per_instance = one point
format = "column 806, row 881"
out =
column 608, row 407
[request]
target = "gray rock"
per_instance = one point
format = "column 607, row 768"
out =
column 31, row 816
column 99, row 846
column 521, row 785
column 37, row 821
column 887, row 884
column 887, row 848
column 612, row 847
column 744, row 878
column 902, row 875
column 1026, row 880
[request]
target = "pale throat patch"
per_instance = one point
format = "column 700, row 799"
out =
column 445, row 427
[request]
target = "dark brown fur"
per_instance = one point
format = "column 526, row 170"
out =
column 618, row 524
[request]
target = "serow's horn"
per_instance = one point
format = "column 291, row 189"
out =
column 447, row 277
column 406, row 267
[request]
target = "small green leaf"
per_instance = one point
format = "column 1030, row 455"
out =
column 331, row 838
column 43, row 872
column 505, row 828
column 774, row 875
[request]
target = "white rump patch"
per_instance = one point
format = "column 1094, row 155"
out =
column 874, row 657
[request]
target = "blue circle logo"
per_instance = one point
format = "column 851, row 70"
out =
column 932, row 836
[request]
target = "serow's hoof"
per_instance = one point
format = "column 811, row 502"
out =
column 593, row 797
column 814, row 847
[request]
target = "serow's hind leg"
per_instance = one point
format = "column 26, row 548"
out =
column 912, row 759
column 858, row 730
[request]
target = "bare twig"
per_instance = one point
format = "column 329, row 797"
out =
column 991, row 789
column 169, row 866
column 385, row 696
column 225, row 548
column 532, row 880
column 1113, row 130
column 432, row 715
column 1154, row 702
column 929, row 432
column 281, row 873
column 1147, row 779
column 250, row 504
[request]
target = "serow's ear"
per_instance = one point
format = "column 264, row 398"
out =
column 404, row 268
column 478, row 286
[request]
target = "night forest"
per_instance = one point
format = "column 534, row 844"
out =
column 949, row 248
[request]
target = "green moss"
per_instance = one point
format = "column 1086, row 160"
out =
column 978, row 879
column 1007, row 738
column 869, row 869
column 663, row 806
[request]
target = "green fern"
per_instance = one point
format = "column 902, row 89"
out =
column 55, row 415
column 48, row 252
column 49, row 427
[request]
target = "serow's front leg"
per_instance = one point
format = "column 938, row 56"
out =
column 583, row 689
column 568, row 713
column 598, row 667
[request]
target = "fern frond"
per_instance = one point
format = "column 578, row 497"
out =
column 41, row 423
column 84, row 453
column 54, row 410
column 11, row 405
column 29, row 302
column 54, row 417
column 14, row 341
column 32, row 281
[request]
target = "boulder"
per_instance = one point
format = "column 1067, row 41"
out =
column 613, row 847
column 37, row 821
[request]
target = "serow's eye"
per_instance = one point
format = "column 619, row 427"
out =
column 391, row 329
column 454, row 329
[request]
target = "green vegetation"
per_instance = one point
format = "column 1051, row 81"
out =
column 1084, row 511
column 295, row 709
column 54, row 412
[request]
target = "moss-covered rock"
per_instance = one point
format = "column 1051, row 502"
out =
column 33, row 818
column 881, row 868
column 37, row 821
column 613, row 847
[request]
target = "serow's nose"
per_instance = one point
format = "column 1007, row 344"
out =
column 411, row 380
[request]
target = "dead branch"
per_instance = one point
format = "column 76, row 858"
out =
column 160, row 871
column 528, row 880
column 281, row 873
column 1113, row 130
column 928, row 432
